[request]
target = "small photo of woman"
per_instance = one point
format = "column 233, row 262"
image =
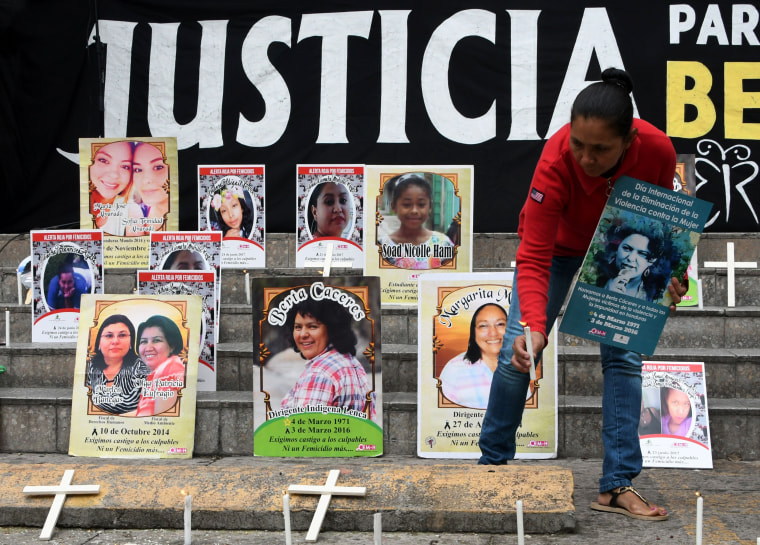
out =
column 150, row 194
column 466, row 378
column 65, row 278
column 110, row 183
column 676, row 412
column 161, row 347
column 329, row 212
column 231, row 210
column 115, row 373
column 320, row 331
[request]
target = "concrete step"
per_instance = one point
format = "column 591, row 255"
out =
column 730, row 372
column 246, row 493
column 38, row 420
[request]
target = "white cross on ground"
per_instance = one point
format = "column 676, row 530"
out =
column 730, row 265
column 60, row 493
column 326, row 492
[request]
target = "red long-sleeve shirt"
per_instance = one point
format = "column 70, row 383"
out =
column 564, row 205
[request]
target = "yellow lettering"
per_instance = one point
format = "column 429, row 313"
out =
column 736, row 100
column 678, row 97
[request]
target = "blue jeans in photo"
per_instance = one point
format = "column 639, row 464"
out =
column 621, row 401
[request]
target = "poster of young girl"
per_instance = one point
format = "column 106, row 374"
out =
column 418, row 218
column 674, row 429
column 202, row 283
column 317, row 367
column 65, row 266
column 135, row 374
column 461, row 321
column 330, row 211
column 190, row 251
column 128, row 189
column 231, row 201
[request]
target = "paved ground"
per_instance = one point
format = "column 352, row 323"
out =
column 731, row 494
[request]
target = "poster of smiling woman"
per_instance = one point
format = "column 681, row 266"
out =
column 128, row 189
column 462, row 319
column 317, row 367
column 135, row 376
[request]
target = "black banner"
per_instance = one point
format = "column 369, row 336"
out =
column 385, row 83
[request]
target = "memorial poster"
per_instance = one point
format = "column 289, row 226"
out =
column 461, row 321
column 674, row 428
column 65, row 266
column 128, row 188
column 685, row 181
column 330, row 210
column 231, row 200
column 190, row 251
column 136, row 365
column 417, row 218
column 645, row 236
column 317, row 367
column 202, row 283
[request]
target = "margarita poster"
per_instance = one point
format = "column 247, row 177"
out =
column 462, row 320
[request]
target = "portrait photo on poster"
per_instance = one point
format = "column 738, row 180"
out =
column 468, row 339
column 232, row 209
column 65, row 277
column 330, row 203
column 419, row 221
column 129, row 187
column 636, row 256
column 137, row 358
column 318, row 351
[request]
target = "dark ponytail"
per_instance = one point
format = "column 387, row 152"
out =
column 609, row 100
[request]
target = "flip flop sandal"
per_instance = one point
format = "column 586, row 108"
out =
column 613, row 506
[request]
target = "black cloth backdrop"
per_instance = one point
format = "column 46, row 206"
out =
column 49, row 92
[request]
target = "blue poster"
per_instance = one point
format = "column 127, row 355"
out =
column 646, row 235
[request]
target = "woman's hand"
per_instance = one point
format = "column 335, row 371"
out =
column 677, row 290
column 520, row 356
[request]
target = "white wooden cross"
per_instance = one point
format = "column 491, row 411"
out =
column 326, row 492
column 731, row 266
column 60, row 496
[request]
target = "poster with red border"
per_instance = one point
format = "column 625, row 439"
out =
column 65, row 266
column 330, row 211
column 190, row 251
column 674, row 427
column 202, row 283
column 231, row 201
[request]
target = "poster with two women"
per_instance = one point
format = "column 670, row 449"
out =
column 317, row 377
column 135, row 376
column 645, row 236
column 462, row 319
column 128, row 188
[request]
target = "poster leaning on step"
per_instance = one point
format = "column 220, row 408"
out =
column 65, row 266
column 674, row 427
column 461, row 321
column 317, row 388
column 135, row 376
column 202, row 283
